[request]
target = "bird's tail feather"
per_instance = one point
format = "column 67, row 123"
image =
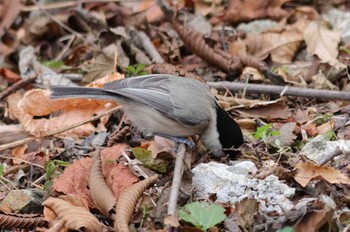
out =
column 58, row 92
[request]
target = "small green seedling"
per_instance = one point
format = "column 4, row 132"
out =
column 52, row 168
column 330, row 135
column 1, row 170
column 135, row 70
column 345, row 50
column 265, row 132
column 145, row 156
column 202, row 215
column 286, row 229
column 146, row 212
column 55, row 64
column 282, row 149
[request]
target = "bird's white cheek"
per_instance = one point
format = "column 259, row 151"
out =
column 210, row 139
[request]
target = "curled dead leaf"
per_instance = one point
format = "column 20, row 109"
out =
column 127, row 202
column 11, row 220
column 76, row 217
column 100, row 192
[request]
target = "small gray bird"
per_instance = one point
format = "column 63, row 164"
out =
column 167, row 105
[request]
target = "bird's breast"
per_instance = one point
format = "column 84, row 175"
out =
column 149, row 120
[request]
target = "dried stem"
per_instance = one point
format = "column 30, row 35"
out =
column 180, row 156
column 286, row 90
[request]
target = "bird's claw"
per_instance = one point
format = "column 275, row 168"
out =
column 190, row 144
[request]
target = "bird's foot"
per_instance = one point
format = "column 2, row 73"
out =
column 190, row 144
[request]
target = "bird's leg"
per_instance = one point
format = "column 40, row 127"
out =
column 177, row 140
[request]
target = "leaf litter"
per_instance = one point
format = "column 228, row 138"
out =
column 300, row 143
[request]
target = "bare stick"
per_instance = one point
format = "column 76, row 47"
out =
column 18, row 85
column 27, row 140
column 286, row 90
column 178, row 170
column 149, row 48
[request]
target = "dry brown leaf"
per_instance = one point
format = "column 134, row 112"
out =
column 323, row 42
column 205, row 7
column 160, row 145
column 252, row 74
column 118, row 176
column 127, row 201
column 247, row 124
column 282, row 45
column 100, row 192
column 276, row 110
column 308, row 172
column 11, row 133
column 320, row 81
column 322, row 212
column 253, row 9
column 311, row 129
column 74, row 181
column 9, row 76
column 171, row 221
column 301, row 116
column 12, row 220
column 227, row 102
column 151, row 9
column 286, row 136
column 18, row 152
column 326, row 127
column 9, row 14
column 245, row 211
column 76, row 217
column 38, row 103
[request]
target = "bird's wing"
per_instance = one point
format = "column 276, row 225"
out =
column 152, row 90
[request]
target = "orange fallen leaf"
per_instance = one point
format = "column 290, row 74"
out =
column 74, row 181
column 118, row 176
column 309, row 171
column 10, row 76
column 38, row 103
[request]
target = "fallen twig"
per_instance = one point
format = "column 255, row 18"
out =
column 282, row 90
column 178, row 170
column 149, row 48
column 27, row 140
column 18, row 85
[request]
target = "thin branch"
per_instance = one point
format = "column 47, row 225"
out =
column 18, row 85
column 286, row 90
column 178, row 170
column 27, row 140
column 149, row 48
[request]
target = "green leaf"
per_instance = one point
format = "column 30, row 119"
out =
column 202, row 215
column 145, row 156
column 54, row 64
column 345, row 50
column 61, row 163
column 1, row 169
column 330, row 135
column 131, row 69
column 262, row 131
column 139, row 68
column 286, row 229
column 275, row 133
column 50, row 169
column 47, row 186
